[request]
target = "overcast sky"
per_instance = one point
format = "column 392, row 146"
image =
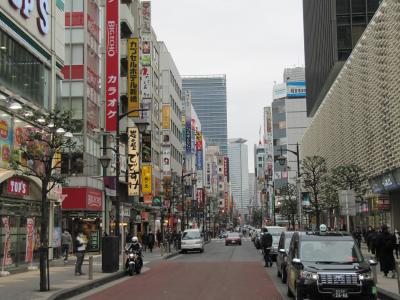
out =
column 250, row 41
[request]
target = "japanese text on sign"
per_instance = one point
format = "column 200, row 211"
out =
column 133, row 161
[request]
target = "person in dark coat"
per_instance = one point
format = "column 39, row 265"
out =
column 266, row 244
column 145, row 241
column 385, row 245
column 372, row 240
column 151, row 239
column 158, row 235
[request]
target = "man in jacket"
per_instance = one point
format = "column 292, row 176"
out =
column 151, row 240
column 81, row 242
column 66, row 243
column 266, row 244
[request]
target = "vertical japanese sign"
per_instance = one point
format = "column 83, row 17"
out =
column 146, row 72
column 166, row 117
column 188, row 137
column 226, row 168
column 30, row 236
column 146, row 179
column 199, row 196
column 112, row 64
column 7, row 242
column 199, row 140
column 133, row 76
column 133, row 161
column 146, row 16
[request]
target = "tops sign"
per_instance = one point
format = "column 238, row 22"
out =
column 18, row 187
column 26, row 9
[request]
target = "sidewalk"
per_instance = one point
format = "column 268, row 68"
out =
column 25, row 286
column 387, row 286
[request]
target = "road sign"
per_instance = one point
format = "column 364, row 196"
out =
column 347, row 202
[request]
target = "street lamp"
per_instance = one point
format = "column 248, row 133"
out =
column 183, row 223
column 105, row 161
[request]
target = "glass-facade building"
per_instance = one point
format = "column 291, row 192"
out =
column 332, row 28
column 209, row 100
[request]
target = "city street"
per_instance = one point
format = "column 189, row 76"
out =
column 221, row 272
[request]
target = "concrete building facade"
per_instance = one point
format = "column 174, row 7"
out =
column 363, row 110
column 239, row 176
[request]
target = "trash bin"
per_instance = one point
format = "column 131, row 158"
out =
column 110, row 254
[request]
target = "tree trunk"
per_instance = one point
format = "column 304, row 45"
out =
column 317, row 217
column 43, row 240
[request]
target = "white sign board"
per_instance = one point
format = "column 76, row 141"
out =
column 347, row 202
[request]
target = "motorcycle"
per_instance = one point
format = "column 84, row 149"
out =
column 134, row 262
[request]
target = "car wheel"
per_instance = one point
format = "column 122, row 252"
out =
column 201, row 250
column 284, row 276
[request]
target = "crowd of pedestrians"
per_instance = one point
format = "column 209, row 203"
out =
column 384, row 245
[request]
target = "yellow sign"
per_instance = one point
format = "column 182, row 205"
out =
column 166, row 117
column 133, row 161
column 133, row 76
column 146, row 179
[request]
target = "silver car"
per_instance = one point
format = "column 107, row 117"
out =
column 192, row 240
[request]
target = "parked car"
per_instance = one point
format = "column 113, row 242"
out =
column 275, row 231
column 281, row 258
column 192, row 240
column 233, row 238
column 223, row 235
column 328, row 264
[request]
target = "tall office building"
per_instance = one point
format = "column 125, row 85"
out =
column 331, row 30
column 289, row 122
column 209, row 99
column 239, row 175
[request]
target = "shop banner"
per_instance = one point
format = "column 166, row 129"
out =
column 145, row 85
column 146, row 148
column 226, row 168
column 146, row 16
column 146, row 179
column 200, row 196
column 7, row 242
column 112, row 64
column 133, row 76
column 148, row 199
column 30, row 237
column 199, row 140
column 133, row 161
column 146, row 49
column 166, row 117
column 199, row 160
column 188, row 138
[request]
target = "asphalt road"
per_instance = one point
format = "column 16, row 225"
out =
column 221, row 272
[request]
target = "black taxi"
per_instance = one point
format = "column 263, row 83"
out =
column 328, row 265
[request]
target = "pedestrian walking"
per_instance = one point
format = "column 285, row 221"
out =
column 158, row 236
column 266, row 244
column 397, row 245
column 357, row 236
column 81, row 243
column 366, row 238
column 66, row 243
column 385, row 248
column 151, row 240
column 372, row 241
column 145, row 241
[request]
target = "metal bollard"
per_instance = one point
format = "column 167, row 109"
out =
column 397, row 275
column 90, row 267
column 374, row 274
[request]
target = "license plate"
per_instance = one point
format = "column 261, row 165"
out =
column 340, row 293
column 233, row 242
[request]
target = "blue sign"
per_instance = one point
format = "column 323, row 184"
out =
column 296, row 89
column 199, row 160
column 188, row 141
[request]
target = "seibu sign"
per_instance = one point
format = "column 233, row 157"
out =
column 18, row 186
column 26, row 9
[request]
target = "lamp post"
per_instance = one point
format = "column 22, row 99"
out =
column 183, row 223
column 105, row 161
column 282, row 160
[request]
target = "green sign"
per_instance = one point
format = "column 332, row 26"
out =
column 156, row 201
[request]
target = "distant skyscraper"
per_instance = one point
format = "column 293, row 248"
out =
column 209, row 101
column 331, row 30
column 239, row 175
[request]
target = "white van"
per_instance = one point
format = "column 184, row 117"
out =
column 192, row 239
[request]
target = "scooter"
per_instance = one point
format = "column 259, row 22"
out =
column 134, row 262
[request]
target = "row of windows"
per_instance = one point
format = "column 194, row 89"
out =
column 175, row 85
column 175, row 107
column 177, row 155
column 176, row 131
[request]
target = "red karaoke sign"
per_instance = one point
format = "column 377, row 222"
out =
column 112, row 65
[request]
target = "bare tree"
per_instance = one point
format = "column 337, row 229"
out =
column 314, row 171
column 40, row 157
column 289, row 204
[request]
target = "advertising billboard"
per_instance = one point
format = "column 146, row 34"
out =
column 166, row 115
column 133, row 161
column 146, row 179
column 133, row 76
column 296, row 89
column 112, row 65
